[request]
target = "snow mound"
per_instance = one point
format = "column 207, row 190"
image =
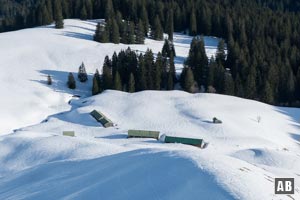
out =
column 139, row 174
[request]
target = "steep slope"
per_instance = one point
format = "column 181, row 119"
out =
column 28, row 56
column 242, row 159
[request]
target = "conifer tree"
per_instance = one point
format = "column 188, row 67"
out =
column 251, row 84
column 168, row 48
column 96, row 83
column 142, row 82
column 193, row 24
column 170, row 24
column 115, row 34
column 158, row 71
column 71, row 81
column 107, row 74
column 109, row 10
column 131, row 84
column 98, row 33
column 189, row 81
column 267, row 94
column 49, row 80
column 117, row 82
column 82, row 75
column 105, row 33
column 170, row 82
column 228, row 84
column 58, row 17
column 220, row 55
column 156, row 29
column 140, row 34
column 83, row 13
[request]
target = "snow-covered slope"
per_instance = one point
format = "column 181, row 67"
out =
column 244, row 155
column 28, row 56
column 241, row 161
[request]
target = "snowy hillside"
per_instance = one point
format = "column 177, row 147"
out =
column 255, row 143
column 28, row 56
column 241, row 161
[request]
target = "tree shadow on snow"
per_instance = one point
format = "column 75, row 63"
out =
column 59, row 82
column 78, row 35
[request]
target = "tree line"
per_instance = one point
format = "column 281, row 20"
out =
column 261, row 36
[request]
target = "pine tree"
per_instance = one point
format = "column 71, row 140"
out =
column 267, row 94
column 170, row 83
column 189, row 81
column 107, row 74
column 142, row 82
column 83, row 13
column 105, row 33
column 158, row 71
column 131, row 84
column 170, row 24
column 193, row 24
column 96, row 83
column 228, row 84
column 140, row 34
column 117, row 82
column 109, row 10
column 220, row 55
column 156, row 29
column 71, row 81
column 168, row 48
column 98, row 33
column 82, row 75
column 251, row 84
column 115, row 34
column 49, row 80
column 58, row 17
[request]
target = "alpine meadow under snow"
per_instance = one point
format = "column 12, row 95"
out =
column 255, row 143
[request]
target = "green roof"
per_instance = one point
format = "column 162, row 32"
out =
column 101, row 118
column 143, row 134
column 190, row 141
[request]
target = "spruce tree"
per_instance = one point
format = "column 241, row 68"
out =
column 49, row 80
column 140, row 33
column 98, row 33
column 158, row 71
column 107, row 74
column 170, row 24
column 115, row 34
column 193, row 24
column 131, row 84
column 267, row 94
column 189, row 81
column 170, row 82
column 156, row 29
column 220, row 55
column 96, row 83
column 228, row 84
column 83, row 13
column 117, row 82
column 142, row 82
column 58, row 17
column 71, row 81
column 82, row 75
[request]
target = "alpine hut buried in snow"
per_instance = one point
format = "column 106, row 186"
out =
column 100, row 117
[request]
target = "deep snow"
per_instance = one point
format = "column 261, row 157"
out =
column 37, row 162
column 28, row 56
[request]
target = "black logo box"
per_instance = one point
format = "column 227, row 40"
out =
column 284, row 185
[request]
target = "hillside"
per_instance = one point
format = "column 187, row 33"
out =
column 255, row 143
column 241, row 161
column 44, row 50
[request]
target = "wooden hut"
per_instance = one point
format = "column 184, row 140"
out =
column 100, row 117
column 143, row 134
